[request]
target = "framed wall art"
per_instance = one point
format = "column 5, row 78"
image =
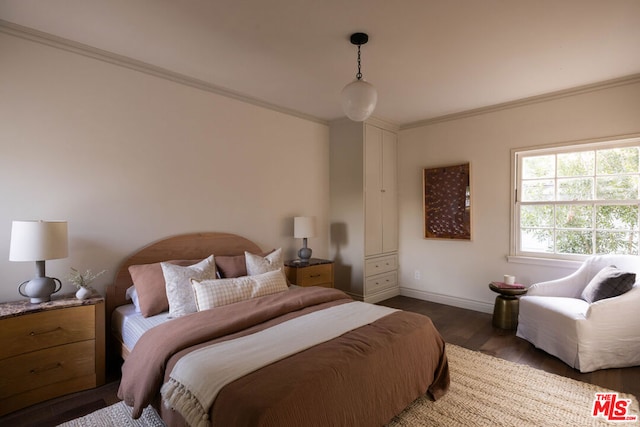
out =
column 447, row 202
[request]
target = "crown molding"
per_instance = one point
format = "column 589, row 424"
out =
column 622, row 81
column 41, row 37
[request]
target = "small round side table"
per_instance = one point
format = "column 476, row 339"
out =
column 505, row 309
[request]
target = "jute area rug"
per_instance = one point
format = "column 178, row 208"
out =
column 485, row 391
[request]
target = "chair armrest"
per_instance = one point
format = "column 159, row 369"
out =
column 570, row 286
column 622, row 309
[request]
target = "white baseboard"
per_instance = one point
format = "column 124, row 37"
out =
column 389, row 293
column 474, row 305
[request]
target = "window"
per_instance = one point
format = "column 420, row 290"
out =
column 577, row 200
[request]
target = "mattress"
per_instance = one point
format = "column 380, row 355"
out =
column 129, row 325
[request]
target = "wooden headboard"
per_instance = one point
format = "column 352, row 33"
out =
column 185, row 246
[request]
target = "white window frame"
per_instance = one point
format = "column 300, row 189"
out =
column 515, row 254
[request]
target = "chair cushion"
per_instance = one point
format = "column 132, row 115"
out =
column 609, row 282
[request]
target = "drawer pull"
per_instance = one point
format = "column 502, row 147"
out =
column 313, row 276
column 46, row 368
column 34, row 333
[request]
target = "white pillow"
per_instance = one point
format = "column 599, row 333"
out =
column 257, row 264
column 132, row 294
column 215, row 293
column 179, row 290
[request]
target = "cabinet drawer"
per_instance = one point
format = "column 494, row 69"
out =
column 44, row 367
column 381, row 282
column 24, row 334
column 315, row 275
column 380, row 265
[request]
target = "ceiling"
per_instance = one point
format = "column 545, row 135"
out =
column 427, row 58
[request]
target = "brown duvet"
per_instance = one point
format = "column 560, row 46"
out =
column 362, row 378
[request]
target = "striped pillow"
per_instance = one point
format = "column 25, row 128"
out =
column 216, row 293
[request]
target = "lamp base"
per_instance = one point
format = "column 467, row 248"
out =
column 40, row 289
column 304, row 254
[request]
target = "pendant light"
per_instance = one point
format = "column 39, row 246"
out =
column 359, row 97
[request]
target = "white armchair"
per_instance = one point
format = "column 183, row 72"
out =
column 588, row 337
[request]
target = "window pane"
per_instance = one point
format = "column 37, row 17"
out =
column 580, row 199
column 618, row 160
column 617, row 217
column 617, row 187
column 575, row 189
column 536, row 240
column 536, row 216
column 538, row 167
column 611, row 242
column 574, row 216
column 576, row 164
column 538, row 190
column 574, row 242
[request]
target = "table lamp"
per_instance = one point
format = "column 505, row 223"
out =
column 39, row 241
column 303, row 228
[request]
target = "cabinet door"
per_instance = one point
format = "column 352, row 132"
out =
column 389, row 203
column 372, row 190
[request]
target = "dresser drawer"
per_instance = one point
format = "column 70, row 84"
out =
column 37, row 331
column 315, row 275
column 381, row 282
column 379, row 265
column 40, row 368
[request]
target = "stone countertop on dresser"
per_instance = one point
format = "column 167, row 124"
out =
column 313, row 261
column 21, row 307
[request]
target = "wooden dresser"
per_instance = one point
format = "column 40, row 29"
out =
column 50, row 349
column 316, row 272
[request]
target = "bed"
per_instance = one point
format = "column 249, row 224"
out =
column 363, row 370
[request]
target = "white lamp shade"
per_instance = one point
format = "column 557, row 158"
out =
column 359, row 99
column 304, row 226
column 38, row 240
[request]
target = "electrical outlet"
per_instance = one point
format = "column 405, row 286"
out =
column 417, row 275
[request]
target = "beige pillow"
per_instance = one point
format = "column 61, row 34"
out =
column 258, row 264
column 179, row 290
column 216, row 293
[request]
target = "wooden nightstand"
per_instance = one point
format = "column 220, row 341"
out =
column 316, row 272
column 50, row 349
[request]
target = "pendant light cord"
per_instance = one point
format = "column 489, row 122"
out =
column 359, row 75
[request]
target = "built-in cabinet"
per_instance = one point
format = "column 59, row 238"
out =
column 364, row 208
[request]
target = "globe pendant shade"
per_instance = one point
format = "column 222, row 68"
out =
column 359, row 99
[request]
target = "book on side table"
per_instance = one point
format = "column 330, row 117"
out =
column 502, row 285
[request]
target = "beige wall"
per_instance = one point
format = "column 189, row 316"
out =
column 128, row 158
column 457, row 272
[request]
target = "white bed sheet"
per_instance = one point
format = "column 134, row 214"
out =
column 130, row 325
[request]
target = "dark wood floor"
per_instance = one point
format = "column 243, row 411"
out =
column 473, row 330
column 465, row 328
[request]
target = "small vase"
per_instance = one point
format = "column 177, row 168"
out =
column 83, row 293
